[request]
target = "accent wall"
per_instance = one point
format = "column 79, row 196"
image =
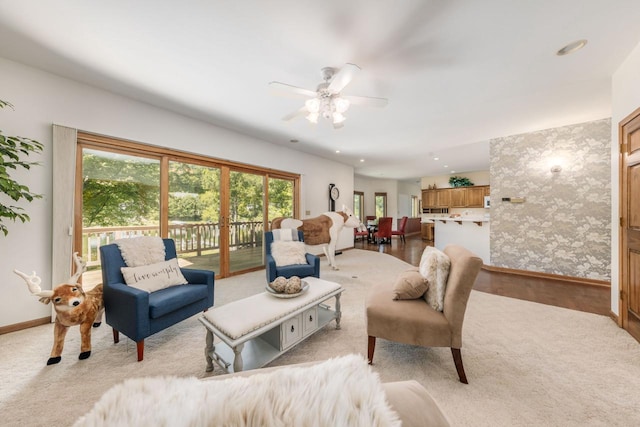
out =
column 557, row 221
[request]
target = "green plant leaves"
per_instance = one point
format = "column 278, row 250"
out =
column 460, row 181
column 12, row 151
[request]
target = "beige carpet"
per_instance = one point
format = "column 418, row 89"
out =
column 527, row 364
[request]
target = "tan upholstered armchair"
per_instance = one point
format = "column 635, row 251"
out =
column 416, row 322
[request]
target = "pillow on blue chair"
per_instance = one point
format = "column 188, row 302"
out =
column 154, row 277
column 288, row 252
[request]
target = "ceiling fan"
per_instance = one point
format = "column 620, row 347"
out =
column 327, row 100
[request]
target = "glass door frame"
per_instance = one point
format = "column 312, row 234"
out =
column 104, row 143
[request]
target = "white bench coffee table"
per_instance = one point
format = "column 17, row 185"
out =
column 255, row 330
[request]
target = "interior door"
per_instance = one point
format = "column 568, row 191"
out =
column 630, row 224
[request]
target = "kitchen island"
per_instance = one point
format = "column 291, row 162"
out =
column 471, row 232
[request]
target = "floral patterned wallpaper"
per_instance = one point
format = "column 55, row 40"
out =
column 563, row 226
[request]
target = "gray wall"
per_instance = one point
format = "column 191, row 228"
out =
column 564, row 226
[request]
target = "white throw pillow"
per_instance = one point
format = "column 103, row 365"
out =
column 434, row 267
column 288, row 252
column 154, row 277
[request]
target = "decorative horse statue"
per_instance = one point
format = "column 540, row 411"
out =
column 321, row 230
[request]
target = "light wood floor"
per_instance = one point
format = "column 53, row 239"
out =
column 592, row 299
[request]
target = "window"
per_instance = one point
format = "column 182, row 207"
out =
column 381, row 204
column 358, row 205
column 415, row 206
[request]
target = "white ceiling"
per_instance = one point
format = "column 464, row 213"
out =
column 456, row 73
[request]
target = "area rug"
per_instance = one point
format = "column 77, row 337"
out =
column 527, row 363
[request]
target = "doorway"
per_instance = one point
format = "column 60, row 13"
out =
column 630, row 224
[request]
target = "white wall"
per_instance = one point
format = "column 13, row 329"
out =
column 625, row 94
column 407, row 189
column 370, row 186
column 42, row 99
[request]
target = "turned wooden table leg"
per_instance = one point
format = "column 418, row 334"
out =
column 208, row 350
column 338, row 311
column 237, row 360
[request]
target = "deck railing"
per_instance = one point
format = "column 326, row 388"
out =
column 196, row 237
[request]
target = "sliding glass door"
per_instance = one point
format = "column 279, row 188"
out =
column 194, row 215
column 215, row 212
column 245, row 220
column 120, row 198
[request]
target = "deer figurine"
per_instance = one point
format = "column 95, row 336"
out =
column 73, row 307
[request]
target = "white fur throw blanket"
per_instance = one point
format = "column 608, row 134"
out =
column 339, row 392
column 139, row 251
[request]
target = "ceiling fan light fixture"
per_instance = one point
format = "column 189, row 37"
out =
column 338, row 118
column 341, row 105
column 313, row 105
column 313, row 117
column 326, row 101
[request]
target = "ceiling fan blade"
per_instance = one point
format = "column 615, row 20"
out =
column 342, row 78
column 301, row 112
column 289, row 89
column 367, row 101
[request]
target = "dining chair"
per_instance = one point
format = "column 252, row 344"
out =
column 400, row 230
column 364, row 234
column 384, row 230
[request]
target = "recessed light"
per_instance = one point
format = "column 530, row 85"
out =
column 436, row 158
column 571, row 47
column 337, row 151
column 293, row 141
column 361, row 160
column 453, row 171
column 446, row 166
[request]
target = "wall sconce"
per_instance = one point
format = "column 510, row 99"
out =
column 556, row 169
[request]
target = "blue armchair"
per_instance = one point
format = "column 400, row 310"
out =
column 139, row 314
column 311, row 268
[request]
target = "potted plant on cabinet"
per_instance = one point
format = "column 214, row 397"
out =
column 460, row 181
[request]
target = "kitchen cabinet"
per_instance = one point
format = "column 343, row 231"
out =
column 427, row 231
column 443, row 197
column 475, row 196
column 458, row 197
column 428, row 198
